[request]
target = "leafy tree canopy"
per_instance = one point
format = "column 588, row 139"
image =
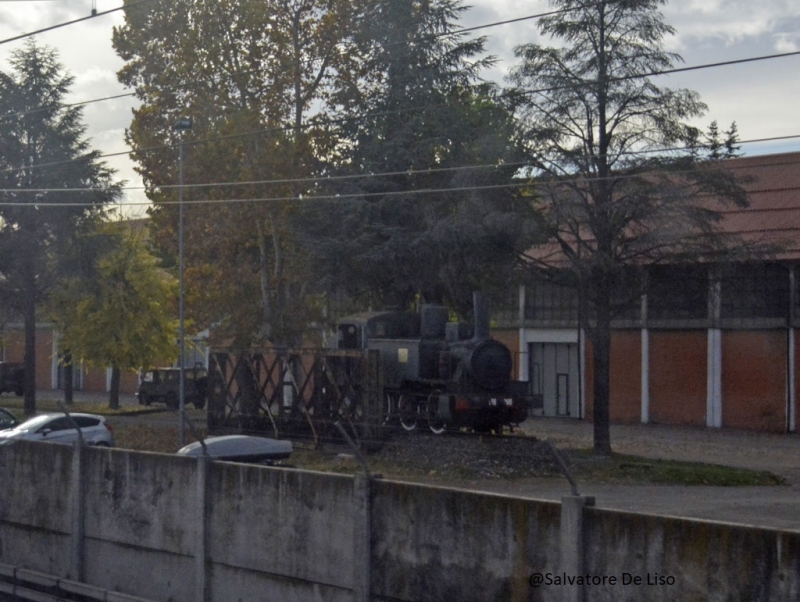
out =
column 53, row 183
column 119, row 312
column 250, row 74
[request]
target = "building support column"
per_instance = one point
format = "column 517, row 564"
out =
column 714, row 368
column 645, row 364
column 645, row 376
column 791, row 376
column 524, row 358
column 714, row 399
column 581, row 373
column 791, row 371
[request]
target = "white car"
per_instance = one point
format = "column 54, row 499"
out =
column 57, row 428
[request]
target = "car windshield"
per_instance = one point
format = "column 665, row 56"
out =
column 33, row 423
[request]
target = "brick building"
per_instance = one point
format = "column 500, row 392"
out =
column 708, row 345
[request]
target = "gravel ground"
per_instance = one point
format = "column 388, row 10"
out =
column 469, row 456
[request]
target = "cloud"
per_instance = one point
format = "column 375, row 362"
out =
column 728, row 21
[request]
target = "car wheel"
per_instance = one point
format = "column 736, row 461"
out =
column 144, row 399
column 102, row 444
column 171, row 400
column 200, row 404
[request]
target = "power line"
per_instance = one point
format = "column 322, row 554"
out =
column 344, row 120
column 522, row 183
column 399, row 111
column 361, row 176
column 73, row 22
column 421, row 38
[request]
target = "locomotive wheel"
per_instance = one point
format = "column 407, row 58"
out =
column 390, row 408
column 436, row 425
column 407, row 411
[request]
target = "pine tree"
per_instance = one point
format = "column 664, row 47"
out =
column 43, row 149
column 612, row 194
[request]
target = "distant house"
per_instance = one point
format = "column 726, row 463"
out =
column 708, row 345
column 50, row 368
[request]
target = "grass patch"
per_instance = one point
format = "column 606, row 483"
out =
column 634, row 469
column 143, row 437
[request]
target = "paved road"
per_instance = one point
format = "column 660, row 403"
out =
column 776, row 507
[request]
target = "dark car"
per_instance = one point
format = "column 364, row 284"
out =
column 7, row 420
column 12, row 378
column 163, row 385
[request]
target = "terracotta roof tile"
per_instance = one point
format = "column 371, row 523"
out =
column 773, row 214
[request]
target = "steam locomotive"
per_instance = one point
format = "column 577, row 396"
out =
column 438, row 373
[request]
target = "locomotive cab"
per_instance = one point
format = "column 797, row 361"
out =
column 356, row 331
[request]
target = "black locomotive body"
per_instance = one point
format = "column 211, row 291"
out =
column 440, row 373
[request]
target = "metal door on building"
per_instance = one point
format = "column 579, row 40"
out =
column 555, row 375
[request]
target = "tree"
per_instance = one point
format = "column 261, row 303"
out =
column 421, row 167
column 119, row 312
column 42, row 150
column 611, row 192
column 250, row 74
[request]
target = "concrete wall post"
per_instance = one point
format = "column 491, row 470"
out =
column 572, row 549
column 201, row 526
column 362, row 534
column 78, row 496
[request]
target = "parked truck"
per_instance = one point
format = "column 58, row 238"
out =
column 163, row 385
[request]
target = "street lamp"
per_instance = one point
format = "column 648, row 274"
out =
column 184, row 124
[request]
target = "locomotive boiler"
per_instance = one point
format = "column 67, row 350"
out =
column 439, row 373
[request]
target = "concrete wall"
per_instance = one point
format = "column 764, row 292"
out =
column 171, row 528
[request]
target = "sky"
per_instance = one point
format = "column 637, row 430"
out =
column 761, row 97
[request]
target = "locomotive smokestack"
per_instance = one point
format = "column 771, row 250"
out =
column 481, row 311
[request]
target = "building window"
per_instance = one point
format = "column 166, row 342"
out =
column 755, row 291
column 549, row 302
column 677, row 292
